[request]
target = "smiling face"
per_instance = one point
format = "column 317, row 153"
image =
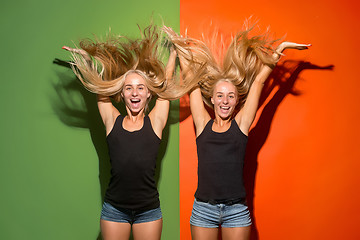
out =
column 225, row 99
column 135, row 93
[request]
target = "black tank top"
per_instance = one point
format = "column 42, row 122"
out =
column 133, row 161
column 220, row 163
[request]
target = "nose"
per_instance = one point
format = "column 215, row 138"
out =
column 134, row 93
column 225, row 101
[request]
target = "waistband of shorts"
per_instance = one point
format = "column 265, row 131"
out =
column 137, row 209
column 226, row 202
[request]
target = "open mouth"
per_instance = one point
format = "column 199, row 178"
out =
column 224, row 108
column 135, row 101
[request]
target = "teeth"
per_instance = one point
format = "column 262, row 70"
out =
column 225, row 108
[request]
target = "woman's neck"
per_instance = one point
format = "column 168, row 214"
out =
column 221, row 125
column 222, row 122
column 134, row 117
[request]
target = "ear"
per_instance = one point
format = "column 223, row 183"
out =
column 212, row 100
column 148, row 94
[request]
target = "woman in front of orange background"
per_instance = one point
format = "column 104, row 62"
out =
column 221, row 142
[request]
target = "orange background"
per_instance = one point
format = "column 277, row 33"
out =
column 303, row 157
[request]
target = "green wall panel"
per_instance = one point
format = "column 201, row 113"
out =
column 53, row 156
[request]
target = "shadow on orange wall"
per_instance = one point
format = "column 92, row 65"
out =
column 282, row 81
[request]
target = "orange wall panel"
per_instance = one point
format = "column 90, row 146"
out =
column 303, row 152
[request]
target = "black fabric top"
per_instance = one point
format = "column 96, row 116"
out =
column 220, row 163
column 133, row 162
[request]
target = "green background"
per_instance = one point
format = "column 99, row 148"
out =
column 53, row 160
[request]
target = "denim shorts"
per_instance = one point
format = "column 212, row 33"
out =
column 214, row 215
column 110, row 213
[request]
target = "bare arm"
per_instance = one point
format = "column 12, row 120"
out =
column 198, row 111
column 246, row 115
column 159, row 114
column 107, row 110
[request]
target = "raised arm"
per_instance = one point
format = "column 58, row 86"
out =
column 198, row 111
column 159, row 114
column 107, row 110
column 246, row 115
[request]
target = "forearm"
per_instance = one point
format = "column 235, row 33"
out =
column 170, row 66
column 266, row 70
column 264, row 73
column 252, row 101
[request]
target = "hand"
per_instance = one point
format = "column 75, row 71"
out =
column 291, row 45
column 80, row 51
column 75, row 50
column 172, row 50
column 288, row 45
column 169, row 31
column 173, row 35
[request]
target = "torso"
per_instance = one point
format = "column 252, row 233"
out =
column 133, row 154
column 220, row 162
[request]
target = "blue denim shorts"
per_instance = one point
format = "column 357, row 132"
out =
column 212, row 216
column 110, row 213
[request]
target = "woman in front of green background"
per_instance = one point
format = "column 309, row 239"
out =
column 234, row 83
column 131, row 71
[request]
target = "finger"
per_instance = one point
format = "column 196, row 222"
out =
column 304, row 46
column 70, row 49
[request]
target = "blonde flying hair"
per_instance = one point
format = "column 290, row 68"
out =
column 107, row 63
column 240, row 64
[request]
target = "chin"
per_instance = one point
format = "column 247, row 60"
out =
column 225, row 115
column 135, row 110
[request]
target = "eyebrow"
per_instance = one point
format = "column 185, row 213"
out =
column 223, row 93
column 126, row 85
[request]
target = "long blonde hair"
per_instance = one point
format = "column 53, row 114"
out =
column 240, row 63
column 108, row 62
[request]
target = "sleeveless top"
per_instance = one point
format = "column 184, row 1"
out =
column 133, row 162
column 220, row 163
